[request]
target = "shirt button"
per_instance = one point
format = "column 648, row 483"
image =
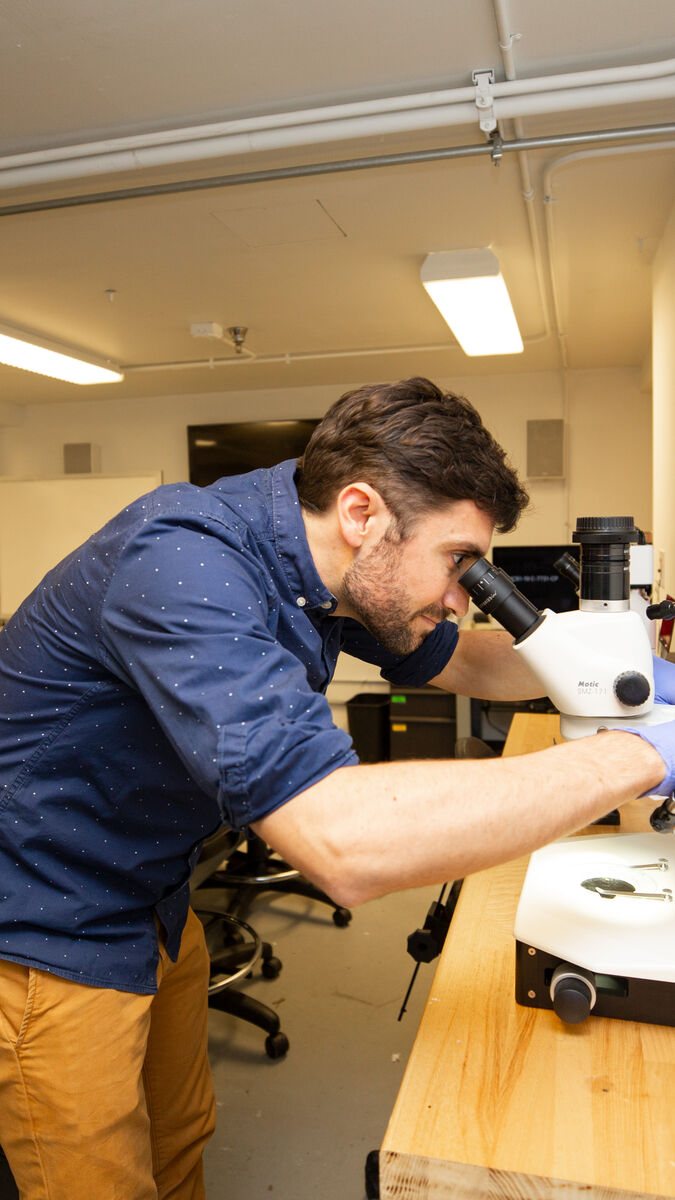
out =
column 327, row 604
column 301, row 602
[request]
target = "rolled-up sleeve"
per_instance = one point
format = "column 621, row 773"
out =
column 413, row 670
column 189, row 620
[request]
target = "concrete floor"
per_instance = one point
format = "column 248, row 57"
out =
column 300, row 1128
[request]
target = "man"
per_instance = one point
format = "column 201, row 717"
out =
column 169, row 676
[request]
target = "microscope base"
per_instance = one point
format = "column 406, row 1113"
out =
column 595, row 929
column 647, row 1000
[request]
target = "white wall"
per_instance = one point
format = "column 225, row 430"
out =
column 139, row 435
column 608, row 421
column 608, row 444
column 663, row 370
column 610, row 454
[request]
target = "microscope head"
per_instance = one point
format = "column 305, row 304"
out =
column 595, row 662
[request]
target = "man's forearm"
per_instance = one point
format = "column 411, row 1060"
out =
column 367, row 830
column 486, row 666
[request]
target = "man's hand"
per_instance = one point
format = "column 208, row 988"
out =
column 662, row 738
column 664, row 681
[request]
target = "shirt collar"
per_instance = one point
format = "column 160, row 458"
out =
column 290, row 539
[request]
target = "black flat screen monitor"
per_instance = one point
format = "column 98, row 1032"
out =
column 531, row 569
column 240, row 446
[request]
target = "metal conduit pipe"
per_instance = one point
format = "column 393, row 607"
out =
column 506, row 39
column 288, row 358
column 438, row 109
column 578, row 79
column 308, row 170
column 267, row 175
column 582, row 98
column 245, row 125
column 233, row 143
column 337, row 112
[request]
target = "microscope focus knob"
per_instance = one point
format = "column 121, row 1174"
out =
column 631, row 688
column 573, row 993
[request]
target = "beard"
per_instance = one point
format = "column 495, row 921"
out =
column 368, row 588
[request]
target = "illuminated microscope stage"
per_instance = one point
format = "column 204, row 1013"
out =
column 595, row 929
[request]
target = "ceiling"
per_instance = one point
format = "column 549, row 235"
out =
column 323, row 269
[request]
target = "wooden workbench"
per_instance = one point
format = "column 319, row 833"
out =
column 503, row 1101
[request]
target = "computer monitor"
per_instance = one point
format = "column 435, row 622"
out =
column 531, row 569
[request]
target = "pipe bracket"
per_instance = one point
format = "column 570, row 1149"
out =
column 484, row 99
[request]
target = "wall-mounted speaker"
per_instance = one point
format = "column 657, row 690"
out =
column 545, row 449
column 81, row 458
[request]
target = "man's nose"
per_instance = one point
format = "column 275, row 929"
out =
column 457, row 599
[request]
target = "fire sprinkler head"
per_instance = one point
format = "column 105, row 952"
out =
column 238, row 335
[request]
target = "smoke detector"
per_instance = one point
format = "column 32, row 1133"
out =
column 207, row 329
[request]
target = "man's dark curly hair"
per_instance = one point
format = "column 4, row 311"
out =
column 421, row 449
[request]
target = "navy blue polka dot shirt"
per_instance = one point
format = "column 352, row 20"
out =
column 166, row 677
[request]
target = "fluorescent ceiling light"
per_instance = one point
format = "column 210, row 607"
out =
column 32, row 353
column 468, row 289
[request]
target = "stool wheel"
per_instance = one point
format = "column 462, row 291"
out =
column 271, row 967
column 276, row 1045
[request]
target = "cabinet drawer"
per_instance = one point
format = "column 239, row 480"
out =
column 420, row 737
column 421, row 702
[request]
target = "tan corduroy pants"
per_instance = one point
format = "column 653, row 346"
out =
column 107, row 1094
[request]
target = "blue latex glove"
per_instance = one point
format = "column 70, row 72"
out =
column 664, row 681
column 662, row 738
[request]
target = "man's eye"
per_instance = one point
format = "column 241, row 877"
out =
column 458, row 559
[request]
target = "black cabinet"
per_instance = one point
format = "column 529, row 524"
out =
column 422, row 723
column 368, row 720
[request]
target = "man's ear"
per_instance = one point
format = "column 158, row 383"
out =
column 362, row 514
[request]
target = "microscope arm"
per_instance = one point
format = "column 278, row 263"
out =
column 591, row 665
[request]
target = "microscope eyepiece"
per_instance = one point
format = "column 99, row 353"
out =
column 568, row 568
column 495, row 593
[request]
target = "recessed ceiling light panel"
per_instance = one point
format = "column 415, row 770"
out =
column 30, row 352
column 468, row 289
